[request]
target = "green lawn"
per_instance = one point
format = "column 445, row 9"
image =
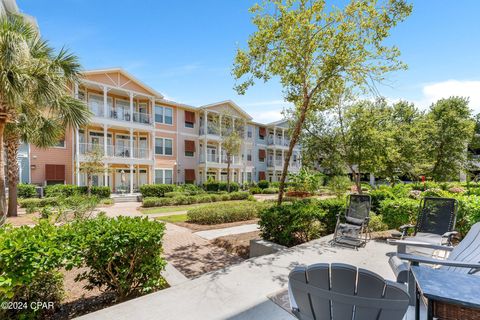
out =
column 181, row 208
column 173, row 218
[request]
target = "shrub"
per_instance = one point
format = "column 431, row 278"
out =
column 274, row 184
column 255, row 190
column 123, row 255
column 210, row 185
column 60, row 190
column 270, row 190
column 99, row 191
column 30, row 259
column 175, row 194
column 201, row 198
column 240, row 195
column 339, row 184
column 157, row 202
column 291, row 223
column 35, row 203
column 376, row 223
column 468, row 213
column 189, row 188
column 380, row 194
column 396, row 212
column 220, row 186
column 332, row 208
column 156, row 190
column 263, row 184
column 216, row 213
column 25, row 190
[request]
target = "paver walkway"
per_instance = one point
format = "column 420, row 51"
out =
column 215, row 233
column 241, row 291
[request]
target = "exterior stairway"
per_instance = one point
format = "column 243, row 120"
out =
column 125, row 197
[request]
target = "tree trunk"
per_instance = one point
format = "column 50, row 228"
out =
column 3, row 202
column 228, row 173
column 12, row 144
column 293, row 142
column 89, row 184
column 358, row 183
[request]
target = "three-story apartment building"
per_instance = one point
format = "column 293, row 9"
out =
column 145, row 138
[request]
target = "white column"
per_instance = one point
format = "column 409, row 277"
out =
column 220, row 118
column 274, row 135
column 205, row 126
column 131, row 106
column 219, row 152
column 219, row 174
column 372, row 179
column 105, row 175
column 283, row 157
column 105, row 102
column 105, row 139
column 131, row 143
column 283, row 136
column 152, row 113
column 131, row 178
column 152, row 134
column 77, row 156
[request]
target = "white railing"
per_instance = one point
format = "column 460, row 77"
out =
column 142, row 117
column 271, row 140
column 114, row 151
column 121, row 114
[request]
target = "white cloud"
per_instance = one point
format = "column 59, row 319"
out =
column 267, row 116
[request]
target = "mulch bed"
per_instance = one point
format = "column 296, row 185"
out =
column 238, row 244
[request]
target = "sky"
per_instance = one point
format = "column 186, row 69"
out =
column 185, row 49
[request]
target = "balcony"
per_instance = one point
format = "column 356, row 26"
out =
column 121, row 114
column 277, row 141
column 115, row 151
column 215, row 159
column 274, row 163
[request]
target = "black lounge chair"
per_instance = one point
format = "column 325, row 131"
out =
column 354, row 232
column 341, row 291
column 435, row 223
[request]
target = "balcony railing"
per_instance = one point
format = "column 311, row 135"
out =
column 115, row 151
column 278, row 141
column 122, row 114
column 214, row 158
column 275, row 163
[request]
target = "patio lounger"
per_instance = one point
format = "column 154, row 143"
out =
column 341, row 291
column 435, row 224
column 465, row 257
column 353, row 232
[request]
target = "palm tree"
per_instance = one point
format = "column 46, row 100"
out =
column 33, row 80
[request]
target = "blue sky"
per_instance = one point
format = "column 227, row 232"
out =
column 185, row 49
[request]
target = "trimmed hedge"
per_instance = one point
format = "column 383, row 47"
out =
column 292, row 223
column 226, row 212
column 220, row 186
column 25, row 190
column 270, row 191
column 202, row 198
column 397, row 212
column 263, row 184
column 68, row 190
column 37, row 202
column 156, row 190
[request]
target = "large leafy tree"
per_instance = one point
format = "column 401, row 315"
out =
column 34, row 77
column 314, row 50
column 448, row 128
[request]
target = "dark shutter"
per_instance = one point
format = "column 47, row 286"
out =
column 261, row 154
column 55, row 172
column 189, row 146
column 49, row 172
column 261, row 175
column 189, row 174
column 189, row 116
column 262, row 132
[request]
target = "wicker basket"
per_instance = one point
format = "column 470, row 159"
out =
column 445, row 311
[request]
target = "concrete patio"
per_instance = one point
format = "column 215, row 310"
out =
column 240, row 291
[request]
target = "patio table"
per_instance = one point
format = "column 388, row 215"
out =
column 446, row 292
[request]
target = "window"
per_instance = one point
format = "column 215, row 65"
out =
column 189, row 124
column 189, row 154
column 163, row 115
column 163, row 176
column 249, row 155
column 249, row 132
column 164, row 146
column 60, row 144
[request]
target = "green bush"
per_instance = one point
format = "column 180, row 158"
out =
column 189, row 188
column 255, row 190
column 214, row 186
column 68, row 190
column 29, row 263
column 201, row 198
column 396, row 212
column 156, row 190
column 468, row 212
column 339, row 185
column 263, row 184
column 274, row 184
column 25, row 190
column 376, row 223
column 380, row 194
column 332, row 208
column 122, row 255
column 37, row 202
column 216, row 213
column 176, row 194
column 292, row 223
column 240, row 195
column 270, row 190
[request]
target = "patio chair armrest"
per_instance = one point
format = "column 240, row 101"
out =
column 448, row 263
column 404, row 228
column 449, row 234
column 410, row 243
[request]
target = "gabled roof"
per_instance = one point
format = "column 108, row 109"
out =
column 275, row 123
column 231, row 104
column 126, row 74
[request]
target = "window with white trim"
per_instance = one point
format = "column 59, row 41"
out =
column 164, row 146
column 163, row 115
column 163, row 176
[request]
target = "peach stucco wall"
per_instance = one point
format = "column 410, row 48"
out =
column 40, row 157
